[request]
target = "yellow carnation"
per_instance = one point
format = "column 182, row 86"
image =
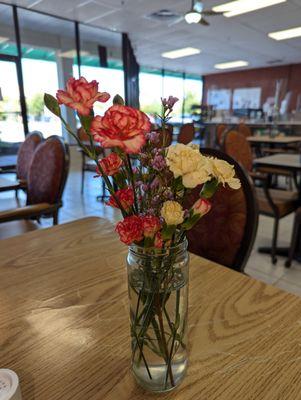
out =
column 172, row 212
column 224, row 173
column 187, row 162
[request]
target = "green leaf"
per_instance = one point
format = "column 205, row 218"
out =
column 209, row 189
column 118, row 100
column 86, row 121
column 52, row 104
column 168, row 231
column 190, row 222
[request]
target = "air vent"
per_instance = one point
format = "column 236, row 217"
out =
column 274, row 62
column 164, row 16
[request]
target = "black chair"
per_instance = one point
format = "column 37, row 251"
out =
column 226, row 234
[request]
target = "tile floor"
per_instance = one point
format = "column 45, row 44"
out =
column 259, row 266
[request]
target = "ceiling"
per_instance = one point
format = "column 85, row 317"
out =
column 242, row 37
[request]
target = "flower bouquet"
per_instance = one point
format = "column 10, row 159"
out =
column 148, row 182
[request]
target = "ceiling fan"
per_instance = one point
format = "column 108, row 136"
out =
column 197, row 13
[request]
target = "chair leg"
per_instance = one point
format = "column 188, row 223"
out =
column 55, row 218
column 83, row 173
column 274, row 241
column 293, row 245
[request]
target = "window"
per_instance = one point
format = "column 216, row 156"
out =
column 151, row 91
column 174, row 86
column 48, row 53
column 193, row 89
column 98, row 46
column 7, row 31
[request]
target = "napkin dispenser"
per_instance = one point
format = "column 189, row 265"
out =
column 9, row 385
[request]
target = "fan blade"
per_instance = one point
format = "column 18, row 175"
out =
column 204, row 22
column 211, row 13
column 176, row 21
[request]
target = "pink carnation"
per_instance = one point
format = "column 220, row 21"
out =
column 110, row 165
column 81, row 95
column 151, row 225
column 125, row 197
column 130, row 229
column 123, row 127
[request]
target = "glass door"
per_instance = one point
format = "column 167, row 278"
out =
column 11, row 120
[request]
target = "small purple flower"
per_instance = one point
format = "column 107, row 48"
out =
column 155, row 184
column 186, row 213
column 144, row 187
column 169, row 103
column 155, row 200
column 158, row 162
column 154, row 137
column 169, row 195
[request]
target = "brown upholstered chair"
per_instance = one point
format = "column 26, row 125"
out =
column 167, row 136
column 227, row 233
column 220, row 131
column 274, row 203
column 24, row 158
column 244, row 130
column 88, row 165
column 45, row 184
column 186, row 134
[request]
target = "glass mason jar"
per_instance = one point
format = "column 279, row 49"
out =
column 158, row 295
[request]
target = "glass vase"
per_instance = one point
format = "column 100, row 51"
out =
column 158, row 295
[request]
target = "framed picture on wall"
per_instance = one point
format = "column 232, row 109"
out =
column 220, row 99
column 246, row 98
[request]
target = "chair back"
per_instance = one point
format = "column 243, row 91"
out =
column 236, row 146
column 48, row 172
column 244, row 130
column 226, row 234
column 26, row 152
column 167, row 136
column 186, row 134
column 220, row 130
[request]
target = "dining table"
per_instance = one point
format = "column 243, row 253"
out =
column 276, row 140
column 8, row 184
column 64, row 324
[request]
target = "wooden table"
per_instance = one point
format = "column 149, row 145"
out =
column 8, row 162
column 288, row 162
column 7, row 184
column 279, row 140
column 64, row 324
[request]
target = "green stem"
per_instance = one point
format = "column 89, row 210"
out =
column 164, row 344
column 131, row 178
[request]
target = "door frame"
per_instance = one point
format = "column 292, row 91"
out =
column 16, row 60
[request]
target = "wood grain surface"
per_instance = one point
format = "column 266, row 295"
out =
column 64, row 324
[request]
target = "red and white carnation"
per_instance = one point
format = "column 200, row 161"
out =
column 110, row 165
column 81, row 95
column 123, row 127
column 130, row 230
column 125, row 197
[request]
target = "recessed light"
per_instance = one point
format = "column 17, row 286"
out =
column 185, row 52
column 286, row 34
column 231, row 64
column 239, row 7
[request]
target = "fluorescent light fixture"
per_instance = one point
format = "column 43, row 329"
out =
column 193, row 17
column 187, row 51
column 238, row 7
column 231, row 64
column 286, row 34
column 3, row 39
